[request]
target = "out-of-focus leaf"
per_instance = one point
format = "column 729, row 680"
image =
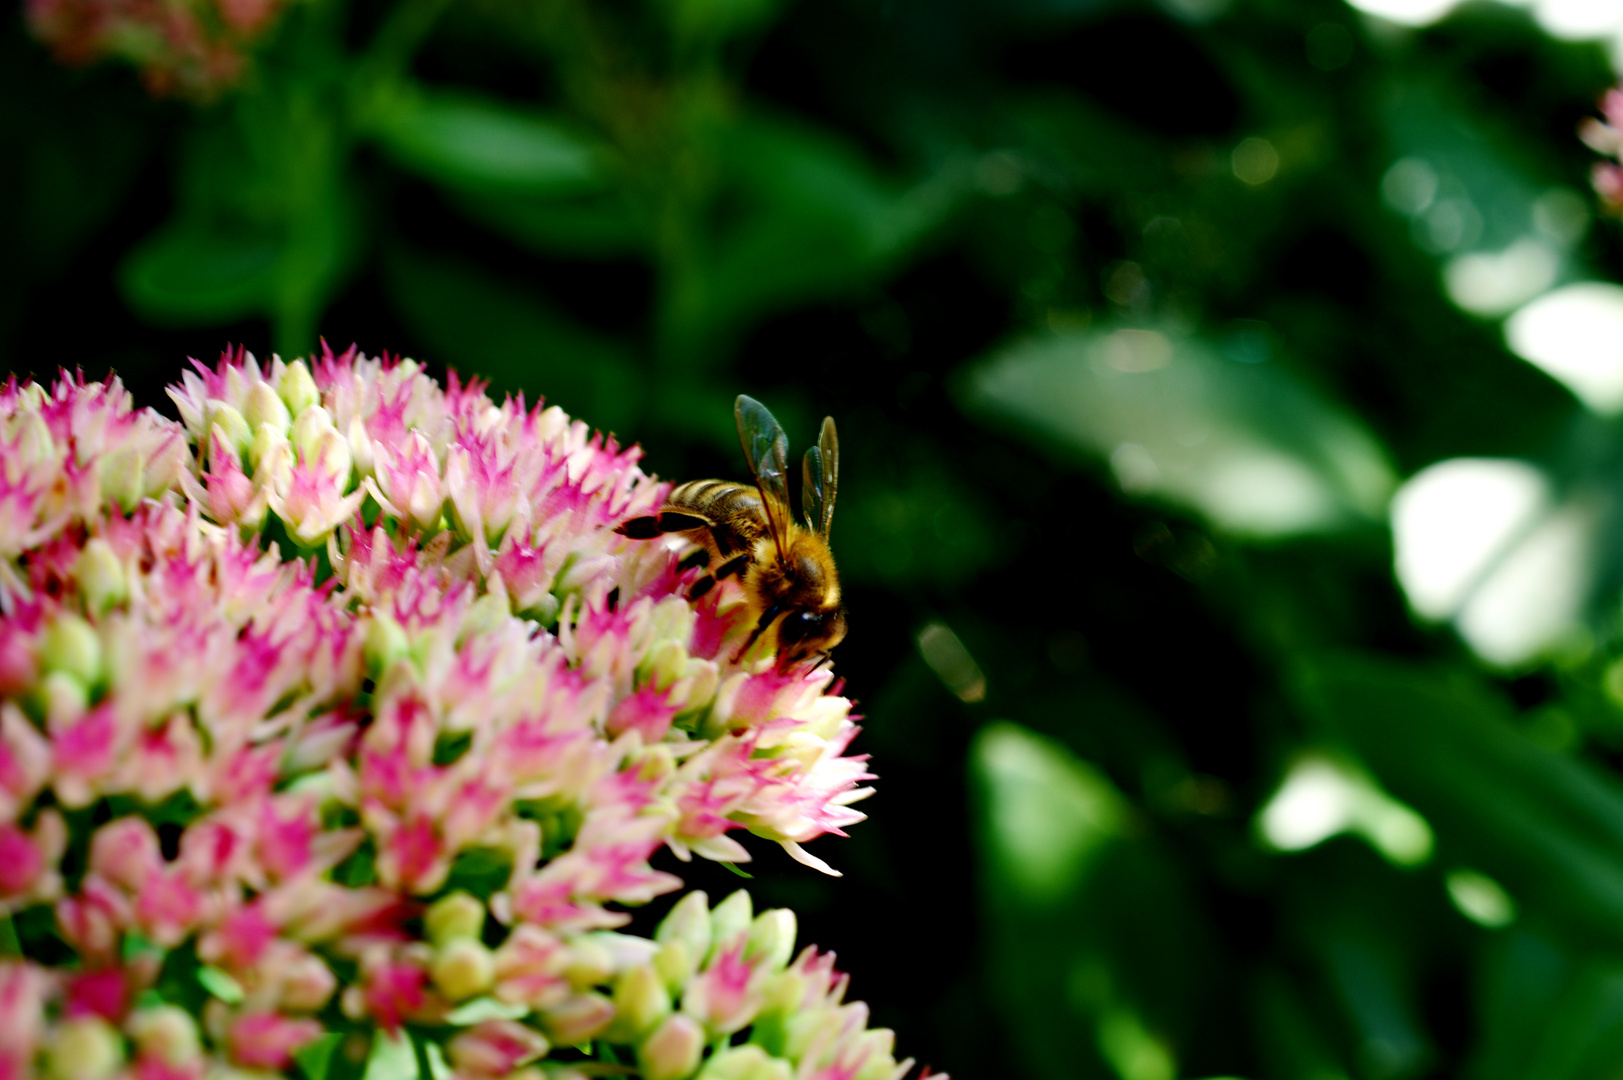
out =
column 1548, row 827
column 1048, row 813
column 1475, row 199
column 1293, row 1045
column 473, row 142
column 1245, row 444
column 1094, row 949
column 590, row 226
column 190, row 273
column 488, row 327
column 909, row 521
column 267, row 223
column 1546, row 1014
column 802, row 217
column 717, row 19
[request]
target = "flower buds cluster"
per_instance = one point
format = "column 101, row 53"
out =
column 336, row 719
column 194, row 49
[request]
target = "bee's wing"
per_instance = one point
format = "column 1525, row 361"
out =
column 766, row 451
column 820, row 479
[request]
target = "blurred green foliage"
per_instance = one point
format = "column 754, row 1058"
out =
column 1133, row 317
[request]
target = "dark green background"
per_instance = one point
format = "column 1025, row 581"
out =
column 640, row 209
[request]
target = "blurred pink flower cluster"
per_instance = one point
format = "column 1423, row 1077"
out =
column 337, row 726
column 190, row 48
column 1606, row 137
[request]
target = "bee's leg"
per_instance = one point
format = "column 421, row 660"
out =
column 697, row 557
column 734, row 565
column 666, row 521
column 760, row 627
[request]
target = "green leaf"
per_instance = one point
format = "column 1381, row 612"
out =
column 478, row 143
column 313, row 1058
column 1048, row 813
column 801, row 216
column 1548, row 827
column 9, row 944
column 594, row 226
column 486, row 326
column 220, row 984
column 191, row 272
column 1246, row 444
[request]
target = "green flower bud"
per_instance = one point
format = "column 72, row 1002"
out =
column 297, row 389
column 485, row 614
column 589, row 963
column 167, row 1032
column 60, row 698
column 462, row 968
column 746, row 1062
column 120, row 473
column 86, row 1048
column 232, row 426
column 72, row 647
column 263, row 408
column 100, row 576
column 730, row 918
column 308, row 429
column 331, row 457
column 672, row 1051
column 385, row 643
column 459, row 915
column 665, row 663
column 271, row 457
column 640, row 1002
column 578, row 1019
column 675, row 964
column 688, row 923
column 772, row 938
column 878, row 1047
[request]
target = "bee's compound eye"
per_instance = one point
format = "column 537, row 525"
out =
column 798, row 626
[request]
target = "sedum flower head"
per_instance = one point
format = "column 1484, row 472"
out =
column 369, row 727
column 190, row 48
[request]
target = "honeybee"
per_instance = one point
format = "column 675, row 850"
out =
column 747, row 531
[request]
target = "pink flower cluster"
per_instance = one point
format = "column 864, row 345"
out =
column 192, row 48
column 1606, row 137
column 336, row 719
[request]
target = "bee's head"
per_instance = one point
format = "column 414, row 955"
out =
column 804, row 633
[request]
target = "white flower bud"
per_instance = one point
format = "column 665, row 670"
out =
column 772, row 938
column 640, row 1002
column 360, row 446
column 72, row 647
column 167, row 1032
column 746, row 1062
column 730, row 918
column 578, row 1019
column 297, row 389
column 689, row 923
column 232, row 426
column 462, row 968
column 308, row 428
column 331, row 457
column 589, row 963
column 385, row 643
column 271, row 457
column 263, row 407
column 458, row 915
column 120, row 473
column 85, row 1048
column 100, row 576
column 672, row 1051
column 675, row 964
